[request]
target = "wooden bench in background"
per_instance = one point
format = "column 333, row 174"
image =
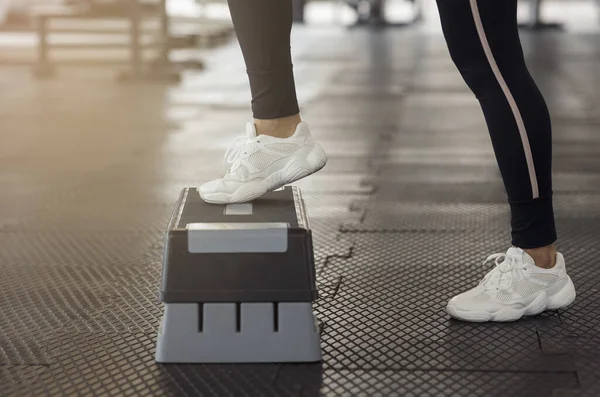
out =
column 187, row 33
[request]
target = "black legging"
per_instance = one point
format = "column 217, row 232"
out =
column 483, row 39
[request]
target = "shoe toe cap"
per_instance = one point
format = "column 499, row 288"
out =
column 211, row 187
column 468, row 298
column 218, row 191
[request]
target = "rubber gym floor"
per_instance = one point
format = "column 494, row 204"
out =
column 408, row 207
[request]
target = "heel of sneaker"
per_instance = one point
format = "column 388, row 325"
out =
column 563, row 298
column 316, row 159
column 301, row 168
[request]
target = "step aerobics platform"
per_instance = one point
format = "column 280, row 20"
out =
column 238, row 282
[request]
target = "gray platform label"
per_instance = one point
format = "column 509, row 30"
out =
column 238, row 209
column 237, row 237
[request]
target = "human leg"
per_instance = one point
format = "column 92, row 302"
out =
column 277, row 148
column 263, row 30
column 483, row 40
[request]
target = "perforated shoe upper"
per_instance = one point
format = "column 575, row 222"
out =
column 254, row 154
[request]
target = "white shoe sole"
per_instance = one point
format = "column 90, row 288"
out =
column 294, row 170
column 560, row 300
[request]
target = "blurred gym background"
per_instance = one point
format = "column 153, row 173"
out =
column 156, row 39
column 108, row 108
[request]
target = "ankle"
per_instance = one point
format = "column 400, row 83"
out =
column 283, row 127
column 544, row 257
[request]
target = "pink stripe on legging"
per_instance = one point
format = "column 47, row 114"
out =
column 509, row 97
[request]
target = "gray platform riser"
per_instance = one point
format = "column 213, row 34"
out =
column 182, row 338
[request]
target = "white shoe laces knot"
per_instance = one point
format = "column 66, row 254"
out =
column 501, row 276
column 235, row 151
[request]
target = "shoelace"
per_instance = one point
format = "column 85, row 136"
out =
column 503, row 270
column 235, row 150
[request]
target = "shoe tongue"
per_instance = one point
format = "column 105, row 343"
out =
column 250, row 131
column 519, row 253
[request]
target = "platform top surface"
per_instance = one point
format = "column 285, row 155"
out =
column 274, row 207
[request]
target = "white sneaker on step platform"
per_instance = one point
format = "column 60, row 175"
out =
column 515, row 288
column 263, row 163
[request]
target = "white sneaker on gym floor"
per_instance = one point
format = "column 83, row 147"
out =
column 515, row 288
column 260, row 164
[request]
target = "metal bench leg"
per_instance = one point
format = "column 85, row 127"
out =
column 536, row 22
column 299, row 10
column 43, row 69
column 161, row 70
column 376, row 17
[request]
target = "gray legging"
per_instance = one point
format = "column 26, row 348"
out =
column 483, row 40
